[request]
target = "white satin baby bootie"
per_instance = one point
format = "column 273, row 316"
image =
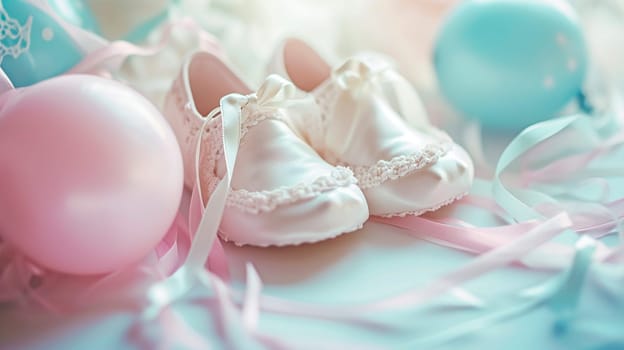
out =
column 373, row 122
column 283, row 192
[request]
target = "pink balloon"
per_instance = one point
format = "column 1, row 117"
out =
column 90, row 174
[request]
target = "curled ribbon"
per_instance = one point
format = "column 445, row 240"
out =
column 526, row 203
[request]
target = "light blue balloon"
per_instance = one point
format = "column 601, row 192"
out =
column 38, row 47
column 76, row 12
column 510, row 63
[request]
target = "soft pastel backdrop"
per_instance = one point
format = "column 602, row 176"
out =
column 379, row 260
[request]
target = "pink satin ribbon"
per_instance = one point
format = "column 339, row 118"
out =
column 493, row 259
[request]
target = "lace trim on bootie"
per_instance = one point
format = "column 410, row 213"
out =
column 191, row 124
column 256, row 202
column 385, row 170
column 419, row 212
column 266, row 201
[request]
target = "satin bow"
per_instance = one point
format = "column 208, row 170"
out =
column 363, row 76
column 274, row 92
column 359, row 76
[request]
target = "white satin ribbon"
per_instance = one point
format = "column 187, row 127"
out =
column 275, row 92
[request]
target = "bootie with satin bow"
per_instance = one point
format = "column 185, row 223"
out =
column 373, row 122
column 283, row 192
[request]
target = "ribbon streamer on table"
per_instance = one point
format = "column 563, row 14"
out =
column 489, row 261
column 561, row 294
column 521, row 202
